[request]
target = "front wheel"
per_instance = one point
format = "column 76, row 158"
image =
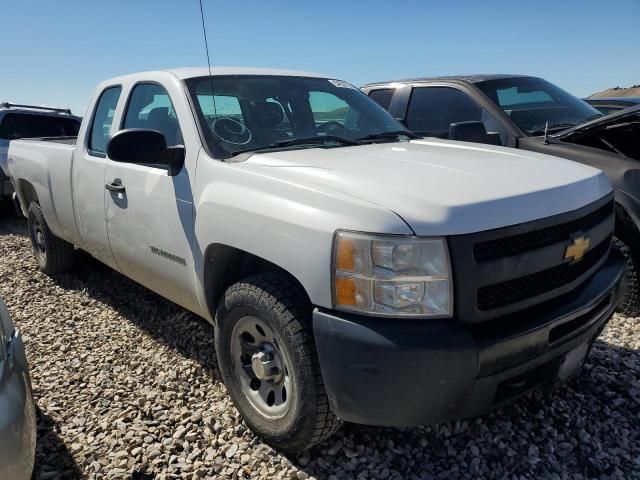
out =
column 268, row 360
column 53, row 254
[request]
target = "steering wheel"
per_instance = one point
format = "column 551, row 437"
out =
column 231, row 131
column 329, row 126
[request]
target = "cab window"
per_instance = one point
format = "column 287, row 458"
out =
column 102, row 120
column 150, row 107
column 432, row 110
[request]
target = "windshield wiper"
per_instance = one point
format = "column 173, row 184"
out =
column 388, row 135
column 553, row 126
column 317, row 140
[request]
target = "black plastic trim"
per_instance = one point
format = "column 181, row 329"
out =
column 469, row 275
column 399, row 372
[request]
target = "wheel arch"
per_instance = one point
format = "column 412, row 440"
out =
column 26, row 194
column 625, row 219
column 225, row 265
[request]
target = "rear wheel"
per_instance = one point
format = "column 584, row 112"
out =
column 267, row 357
column 53, row 254
column 629, row 245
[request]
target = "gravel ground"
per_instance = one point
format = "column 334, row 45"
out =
column 126, row 387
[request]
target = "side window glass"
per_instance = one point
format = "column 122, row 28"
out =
column 102, row 120
column 382, row 97
column 150, row 107
column 433, row 109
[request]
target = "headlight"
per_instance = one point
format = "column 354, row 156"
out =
column 391, row 275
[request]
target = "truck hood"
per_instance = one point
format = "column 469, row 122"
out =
column 617, row 132
column 441, row 187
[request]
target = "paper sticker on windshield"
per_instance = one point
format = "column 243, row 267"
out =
column 341, row 84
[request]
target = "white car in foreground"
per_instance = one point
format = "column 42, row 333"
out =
column 17, row 408
column 352, row 271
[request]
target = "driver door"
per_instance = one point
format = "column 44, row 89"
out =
column 150, row 213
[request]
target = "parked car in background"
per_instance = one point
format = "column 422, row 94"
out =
column 607, row 105
column 17, row 410
column 532, row 114
column 351, row 272
column 27, row 121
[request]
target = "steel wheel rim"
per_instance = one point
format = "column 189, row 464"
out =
column 261, row 367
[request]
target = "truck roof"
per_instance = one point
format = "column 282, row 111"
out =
column 191, row 72
column 472, row 78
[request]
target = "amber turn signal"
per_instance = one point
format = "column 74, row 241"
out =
column 346, row 291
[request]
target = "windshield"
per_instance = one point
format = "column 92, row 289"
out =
column 532, row 102
column 254, row 112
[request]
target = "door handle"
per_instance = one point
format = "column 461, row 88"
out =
column 115, row 186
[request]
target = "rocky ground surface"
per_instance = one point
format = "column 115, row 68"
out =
column 126, row 387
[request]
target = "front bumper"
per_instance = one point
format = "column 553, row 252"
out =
column 398, row 372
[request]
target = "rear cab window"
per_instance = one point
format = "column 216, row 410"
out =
column 102, row 121
column 31, row 125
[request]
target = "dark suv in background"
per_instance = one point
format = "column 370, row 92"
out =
column 29, row 121
column 530, row 113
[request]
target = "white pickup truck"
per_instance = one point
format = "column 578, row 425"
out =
column 352, row 271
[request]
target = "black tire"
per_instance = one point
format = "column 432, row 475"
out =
column 630, row 247
column 5, row 208
column 53, row 254
column 280, row 304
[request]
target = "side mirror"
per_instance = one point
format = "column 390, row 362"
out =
column 473, row 132
column 145, row 147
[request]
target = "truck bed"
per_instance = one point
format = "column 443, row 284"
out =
column 45, row 164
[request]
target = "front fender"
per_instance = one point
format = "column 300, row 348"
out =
column 288, row 224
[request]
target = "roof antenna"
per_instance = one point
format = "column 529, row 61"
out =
column 206, row 46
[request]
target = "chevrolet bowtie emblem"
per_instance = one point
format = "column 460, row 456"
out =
column 576, row 249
